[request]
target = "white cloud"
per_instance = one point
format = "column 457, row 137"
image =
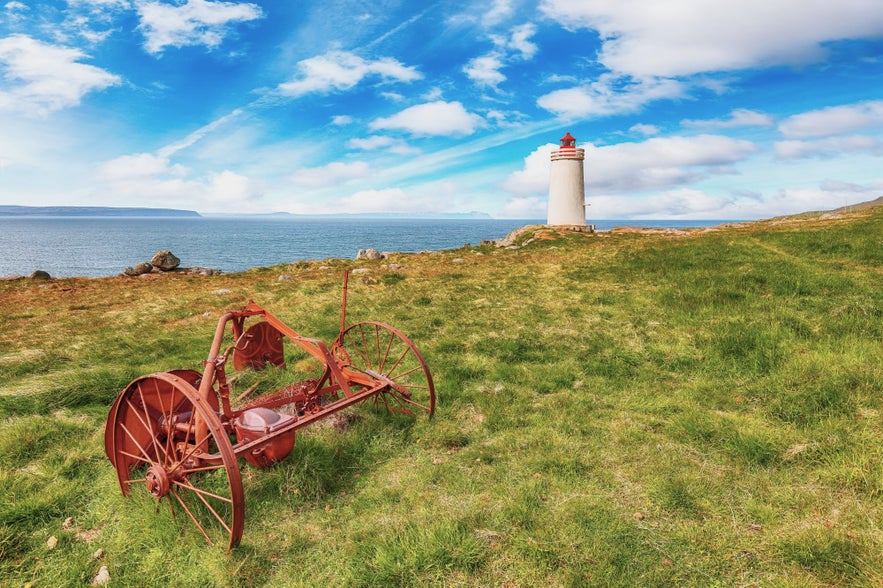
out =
column 662, row 162
column 393, row 96
column 654, row 164
column 139, row 165
column 643, row 129
column 375, row 142
column 341, row 70
column 834, row 120
column 387, row 200
column 329, row 175
column 195, row 22
column 342, row 120
column 828, row 147
column 684, row 37
column 533, row 178
column 524, row 207
column 439, row 118
column 485, row 70
column 500, row 10
column 42, row 78
column 153, row 179
column 607, row 96
column 740, row 117
column 520, row 40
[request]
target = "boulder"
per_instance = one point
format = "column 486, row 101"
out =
column 165, row 260
column 369, row 254
column 130, row 271
column 143, row 268
column 40, row 275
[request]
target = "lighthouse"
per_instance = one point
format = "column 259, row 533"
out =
column 567, row 198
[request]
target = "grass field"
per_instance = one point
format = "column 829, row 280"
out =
column 613, row 410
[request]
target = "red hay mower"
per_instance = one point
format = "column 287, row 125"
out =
column 177, row 436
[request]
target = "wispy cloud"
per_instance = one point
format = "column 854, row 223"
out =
column 740, row 117
column 42, row 78
column 834, row 120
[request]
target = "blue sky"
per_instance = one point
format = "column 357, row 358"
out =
column 693, row 109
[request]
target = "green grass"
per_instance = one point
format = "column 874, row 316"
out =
column 613, row 410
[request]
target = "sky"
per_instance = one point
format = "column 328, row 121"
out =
column 687, row 109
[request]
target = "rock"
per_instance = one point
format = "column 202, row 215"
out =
column 40, row 275
column 368, row 254
column 638, row 516
column 284, row 278
column 457, row 260
column 394, row 267
column 165, row 260
column 102, row 577
column 68, row 523
column 98, row 554
column 360, row 270
column 130, row 271
column 52, row 542
column 145, row 267
column 221, row 291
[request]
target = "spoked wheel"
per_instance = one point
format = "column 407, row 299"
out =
column 155, row 442
column 384, row 353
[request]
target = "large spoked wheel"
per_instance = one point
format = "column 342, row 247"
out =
column 384, row 353
column 157, row 446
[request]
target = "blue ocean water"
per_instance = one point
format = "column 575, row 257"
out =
column 96, row 247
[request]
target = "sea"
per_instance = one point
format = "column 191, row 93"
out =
column 102, row 246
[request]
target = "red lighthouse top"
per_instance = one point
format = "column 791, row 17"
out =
column 568, row 141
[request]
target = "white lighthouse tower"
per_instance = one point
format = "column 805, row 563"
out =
column 567, row 191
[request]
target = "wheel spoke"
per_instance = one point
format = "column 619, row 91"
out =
column 191, row 451
column 204, row 469
column 146, row 425
column 133, row 456
column 135, row 441
column 193, row 518
column 199, row 494
column 398, row 361
column 362, row 351
column 392, row 337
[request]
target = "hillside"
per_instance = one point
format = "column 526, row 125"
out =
column 615, row 409
column 92, row 211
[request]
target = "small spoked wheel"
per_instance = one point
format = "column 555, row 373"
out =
column 166, row 441
column 384, row 353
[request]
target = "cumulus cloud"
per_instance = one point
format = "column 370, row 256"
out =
column 740, row 117
column 195, row 22
column 835, row 120
column 154, row 178
column 485, row 70
column 655, row 164
column 340, row 70
column 608, row 95
column 438, row 118
column 41, row 78
column 524, row 207
column 328, row 175
column 828, row 147
column 685, row 37
column 342, row 120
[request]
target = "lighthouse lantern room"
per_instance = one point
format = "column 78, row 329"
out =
column 567, row 199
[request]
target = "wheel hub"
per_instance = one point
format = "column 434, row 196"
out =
column 157, row 481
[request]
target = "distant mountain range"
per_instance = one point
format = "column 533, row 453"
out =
column 85, row 211
column 110, row 211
